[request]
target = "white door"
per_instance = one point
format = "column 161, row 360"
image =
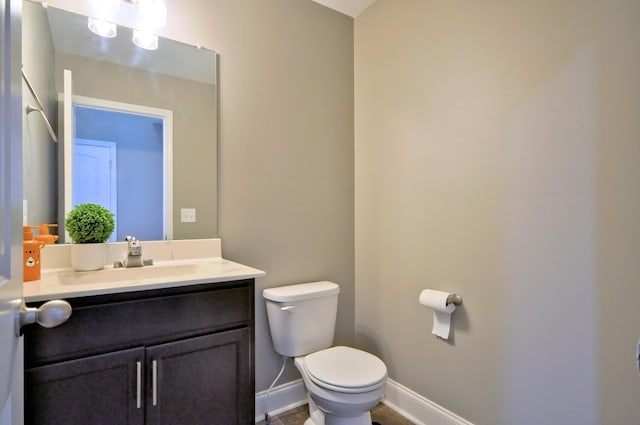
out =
column 65, row 154
column 95, row 175
column 10, row 208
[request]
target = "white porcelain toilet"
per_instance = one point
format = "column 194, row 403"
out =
column 343, row 384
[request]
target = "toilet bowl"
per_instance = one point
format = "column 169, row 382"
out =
column 343, row 384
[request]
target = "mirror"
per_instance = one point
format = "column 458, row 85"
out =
column 178, row 79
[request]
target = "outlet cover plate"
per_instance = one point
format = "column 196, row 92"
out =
column 187, row 215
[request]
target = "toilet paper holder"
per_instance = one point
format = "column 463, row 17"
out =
column 455, row 299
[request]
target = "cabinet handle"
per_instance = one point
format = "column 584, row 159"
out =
column 154, row 379
column 138, row 385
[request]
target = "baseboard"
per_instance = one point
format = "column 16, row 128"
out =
column 418, row 409
column 411, row 405
column 281, row 398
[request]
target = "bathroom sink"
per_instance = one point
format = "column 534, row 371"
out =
column 176, row 263
column 106, row 275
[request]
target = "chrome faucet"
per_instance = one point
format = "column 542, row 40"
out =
column 134, row 255
column 134, row 249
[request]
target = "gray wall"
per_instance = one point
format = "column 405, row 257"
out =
column 39, row 150
column 286, row 201
column 497, row 151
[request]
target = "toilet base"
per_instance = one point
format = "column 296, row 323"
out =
column 318, row 417
column 361, row 420
column 341, row 422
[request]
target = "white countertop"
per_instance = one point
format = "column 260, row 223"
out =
column 60, row 281
column 66, row 283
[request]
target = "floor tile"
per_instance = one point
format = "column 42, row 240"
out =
column 382, row 414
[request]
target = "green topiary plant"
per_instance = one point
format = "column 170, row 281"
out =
column 90, row 223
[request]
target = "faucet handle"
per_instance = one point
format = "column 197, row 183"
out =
column 134, row 245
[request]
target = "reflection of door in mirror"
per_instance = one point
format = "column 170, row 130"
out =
column 95, row 171
column 119, row 155
column 137, row 171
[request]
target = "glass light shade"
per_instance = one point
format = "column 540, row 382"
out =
column 145, row 40
column 102, row 28
column 103, row 9
column 152, row 13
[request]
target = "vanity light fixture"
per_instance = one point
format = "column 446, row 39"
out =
column 145, row 40
column 102, row 11
column 103, row 28
column 151, row 15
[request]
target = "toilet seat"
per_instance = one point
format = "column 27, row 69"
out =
column 345, row 369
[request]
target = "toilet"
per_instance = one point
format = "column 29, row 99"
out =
column 343, row 384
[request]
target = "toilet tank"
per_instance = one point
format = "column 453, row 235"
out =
column 302, row 317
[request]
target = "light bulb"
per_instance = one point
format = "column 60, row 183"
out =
column 104, row 9
column 145, row 40
column 152, row 14
column 102, row 28
column 102, row 13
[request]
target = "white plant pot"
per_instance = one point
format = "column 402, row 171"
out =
column 88, row 256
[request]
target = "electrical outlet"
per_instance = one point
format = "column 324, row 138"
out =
column 25, row 216
column 187, row 215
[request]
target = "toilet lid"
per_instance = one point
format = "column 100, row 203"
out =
column 345, row 369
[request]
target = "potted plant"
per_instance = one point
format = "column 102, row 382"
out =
column 89, row 226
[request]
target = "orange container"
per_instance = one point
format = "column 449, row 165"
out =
column 31, row 255
column 44, row 235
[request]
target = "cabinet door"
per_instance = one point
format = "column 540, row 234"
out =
column 102, row 389
column 202, row 380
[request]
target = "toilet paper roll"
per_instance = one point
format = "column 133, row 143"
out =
column 437, row 301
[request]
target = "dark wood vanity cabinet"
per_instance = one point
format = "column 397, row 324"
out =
column 97, row 389
column 170, row 356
